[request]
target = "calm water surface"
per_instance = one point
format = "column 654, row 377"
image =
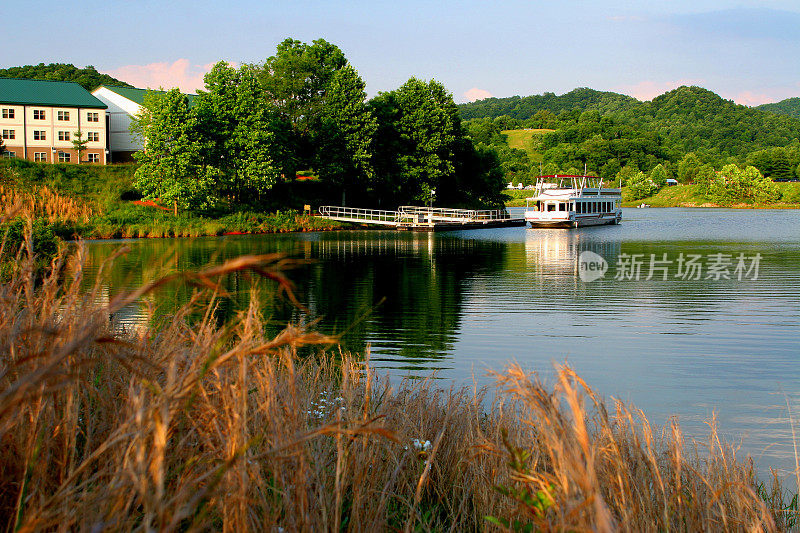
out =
column 460, row 303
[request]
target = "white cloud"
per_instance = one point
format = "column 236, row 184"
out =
column 765, row 96
column 476, row 94
column 180, row 73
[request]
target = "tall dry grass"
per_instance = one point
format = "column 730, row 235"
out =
column 195, row 426
column 43, row 202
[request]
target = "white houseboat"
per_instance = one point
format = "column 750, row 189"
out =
column 572, row 202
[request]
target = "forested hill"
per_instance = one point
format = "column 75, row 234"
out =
column 686, row 119
column 87, row 77
column 789, row 107
column 696, row 119
column 526, row 107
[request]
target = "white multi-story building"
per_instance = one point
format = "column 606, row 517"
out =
column 40, row 120
column 123, row 104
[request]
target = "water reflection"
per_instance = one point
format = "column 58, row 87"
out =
column 464, row 302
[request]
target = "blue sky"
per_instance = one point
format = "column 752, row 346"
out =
column 747, row 51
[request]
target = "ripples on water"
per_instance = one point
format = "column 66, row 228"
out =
column 461, row 303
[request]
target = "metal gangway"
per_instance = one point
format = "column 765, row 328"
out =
column 443, row 214
column 411, row 216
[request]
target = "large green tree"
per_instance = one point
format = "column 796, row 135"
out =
column 734, row 184
column 237, row 130
column 295, row 82
column 170, row 166
column 343, row 141
column 420, row 125
column 423, row 154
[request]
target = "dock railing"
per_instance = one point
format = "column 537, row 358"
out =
column 357, row 214
column 413, row 216
column 446, row 214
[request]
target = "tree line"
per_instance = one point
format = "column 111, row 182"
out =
column 305, row 110
column 87, row 77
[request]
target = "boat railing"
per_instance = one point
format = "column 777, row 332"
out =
column 581, row 185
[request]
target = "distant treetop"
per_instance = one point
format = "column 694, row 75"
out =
column 87, row 77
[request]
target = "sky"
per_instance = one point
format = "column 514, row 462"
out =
column 747, row 51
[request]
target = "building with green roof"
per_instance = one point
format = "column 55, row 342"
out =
column 41, row 119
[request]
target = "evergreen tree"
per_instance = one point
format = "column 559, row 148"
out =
column 79, row 144
column 781, row 169
column 688, row 168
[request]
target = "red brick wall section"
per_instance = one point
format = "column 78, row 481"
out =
column 52, row 157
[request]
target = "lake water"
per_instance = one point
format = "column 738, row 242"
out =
column 460, row 303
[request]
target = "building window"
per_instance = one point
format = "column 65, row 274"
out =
column 41, row 157
column 63, row 157
column 9, row 134
column 39, row 135
column 63, row 115
column 93, row 136
column 93, row 158
column 38, row 114
column 9, row 155
column 92, row 117
column 8, row 113
column 63, row 135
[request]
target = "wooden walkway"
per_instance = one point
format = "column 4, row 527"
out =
column 417, row 218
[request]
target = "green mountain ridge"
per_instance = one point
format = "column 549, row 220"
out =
column 522, row 108
column 789, row 107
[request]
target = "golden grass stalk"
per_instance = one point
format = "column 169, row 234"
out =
column 43, row 202
column 195, row 426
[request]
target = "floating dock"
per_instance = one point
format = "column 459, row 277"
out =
column 417, row 218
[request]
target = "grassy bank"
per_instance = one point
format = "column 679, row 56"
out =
column 95, row 202
column 682, row 196
column 690, row 196
column 200, row 425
